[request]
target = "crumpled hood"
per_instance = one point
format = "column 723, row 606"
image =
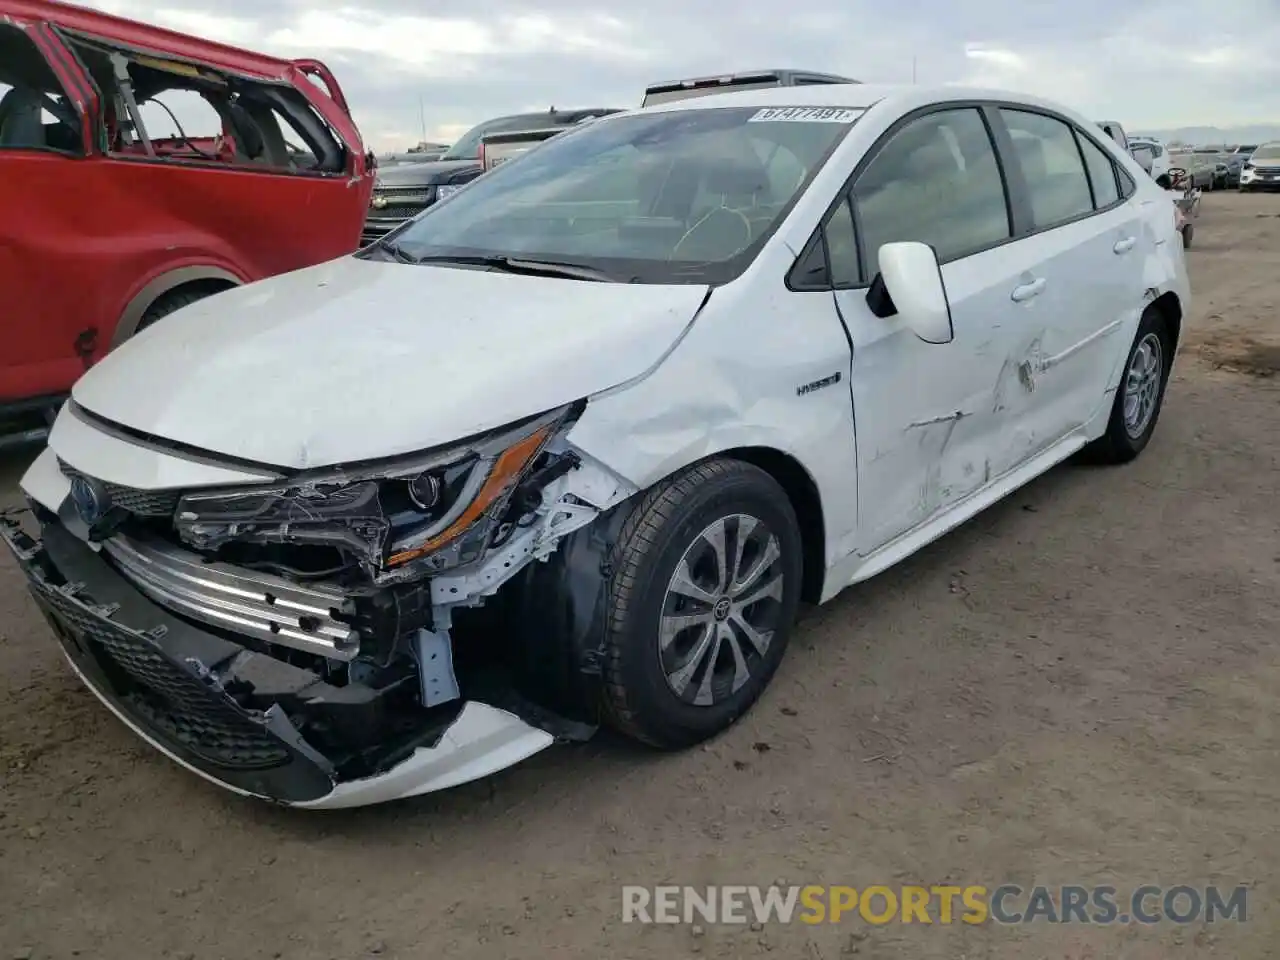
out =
column 357, row 359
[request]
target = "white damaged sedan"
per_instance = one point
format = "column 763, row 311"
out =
column 570, row 447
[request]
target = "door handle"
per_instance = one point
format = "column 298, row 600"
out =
column 1125, row 245
column 1028, row 290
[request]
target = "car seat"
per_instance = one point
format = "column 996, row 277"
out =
column 21, row 121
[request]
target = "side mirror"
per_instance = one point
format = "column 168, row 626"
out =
column 1164, row 182
column 912, row 277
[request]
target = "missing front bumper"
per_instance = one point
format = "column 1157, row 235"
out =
column 226, row 712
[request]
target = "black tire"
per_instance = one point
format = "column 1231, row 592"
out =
column 1119, row 444
column 667, row 523
column 174, row 300
column 1188, row 232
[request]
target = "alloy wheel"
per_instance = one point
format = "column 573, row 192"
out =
column 1142, row 385
column 721, row 609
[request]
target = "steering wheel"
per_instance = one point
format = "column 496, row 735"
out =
column 1178, row 175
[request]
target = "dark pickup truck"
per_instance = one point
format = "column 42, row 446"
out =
column 404, row 190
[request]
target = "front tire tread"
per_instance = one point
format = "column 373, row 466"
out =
column 635, row 549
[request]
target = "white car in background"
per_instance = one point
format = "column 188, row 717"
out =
column 1262, row 170
column 1151, row 155
column 570, row 448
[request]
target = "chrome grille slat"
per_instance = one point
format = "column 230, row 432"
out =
column 253, row 603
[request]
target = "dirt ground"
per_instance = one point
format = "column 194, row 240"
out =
column 1078, row 687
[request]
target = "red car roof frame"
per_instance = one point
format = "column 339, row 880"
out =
column 157, row 40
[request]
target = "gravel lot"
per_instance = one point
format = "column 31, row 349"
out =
column 1079, row 686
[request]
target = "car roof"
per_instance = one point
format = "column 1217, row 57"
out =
column 855, row 96
column 764, row 73
column 136, row 35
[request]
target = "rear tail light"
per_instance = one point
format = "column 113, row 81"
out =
column 480, row 156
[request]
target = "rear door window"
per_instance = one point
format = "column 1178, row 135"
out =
column 1045, row 149
column 191, row 113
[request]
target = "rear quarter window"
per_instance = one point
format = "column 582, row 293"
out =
column 1102, row 174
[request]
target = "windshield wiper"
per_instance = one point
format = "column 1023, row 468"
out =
column 393, row 248
column 543, row 268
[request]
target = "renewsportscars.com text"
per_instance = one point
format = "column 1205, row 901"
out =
column 971, row 904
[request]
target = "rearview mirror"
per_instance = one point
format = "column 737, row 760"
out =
column 913, row 279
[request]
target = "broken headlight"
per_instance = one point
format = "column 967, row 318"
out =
column 438, row 507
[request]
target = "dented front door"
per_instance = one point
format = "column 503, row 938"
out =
column 931, row 418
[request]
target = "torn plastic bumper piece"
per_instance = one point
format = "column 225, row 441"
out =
column 185, row 692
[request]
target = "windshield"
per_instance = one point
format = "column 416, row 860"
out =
column 1268, row 151
column 468, row 147
column 682, row 197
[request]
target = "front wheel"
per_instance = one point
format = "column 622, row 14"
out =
column 172, row 301
column 1140, row 395
column 704, row 589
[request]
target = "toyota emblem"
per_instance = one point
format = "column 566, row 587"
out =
column 91, row 499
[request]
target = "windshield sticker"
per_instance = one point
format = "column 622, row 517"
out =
column 805, row 115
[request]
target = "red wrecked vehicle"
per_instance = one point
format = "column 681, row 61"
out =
column 142, row 169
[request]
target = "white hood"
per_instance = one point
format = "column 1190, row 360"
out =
column 357, row 359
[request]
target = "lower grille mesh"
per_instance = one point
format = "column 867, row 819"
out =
column 166, row 697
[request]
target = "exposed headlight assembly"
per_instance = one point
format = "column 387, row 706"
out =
column 439, row 507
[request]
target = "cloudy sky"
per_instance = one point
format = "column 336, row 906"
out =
column 1152, row 64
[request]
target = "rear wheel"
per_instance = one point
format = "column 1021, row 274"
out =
column 705, row 586
column 1140, row 395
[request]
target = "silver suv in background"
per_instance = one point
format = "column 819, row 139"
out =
column 1262, row 170
column 1236, row 160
